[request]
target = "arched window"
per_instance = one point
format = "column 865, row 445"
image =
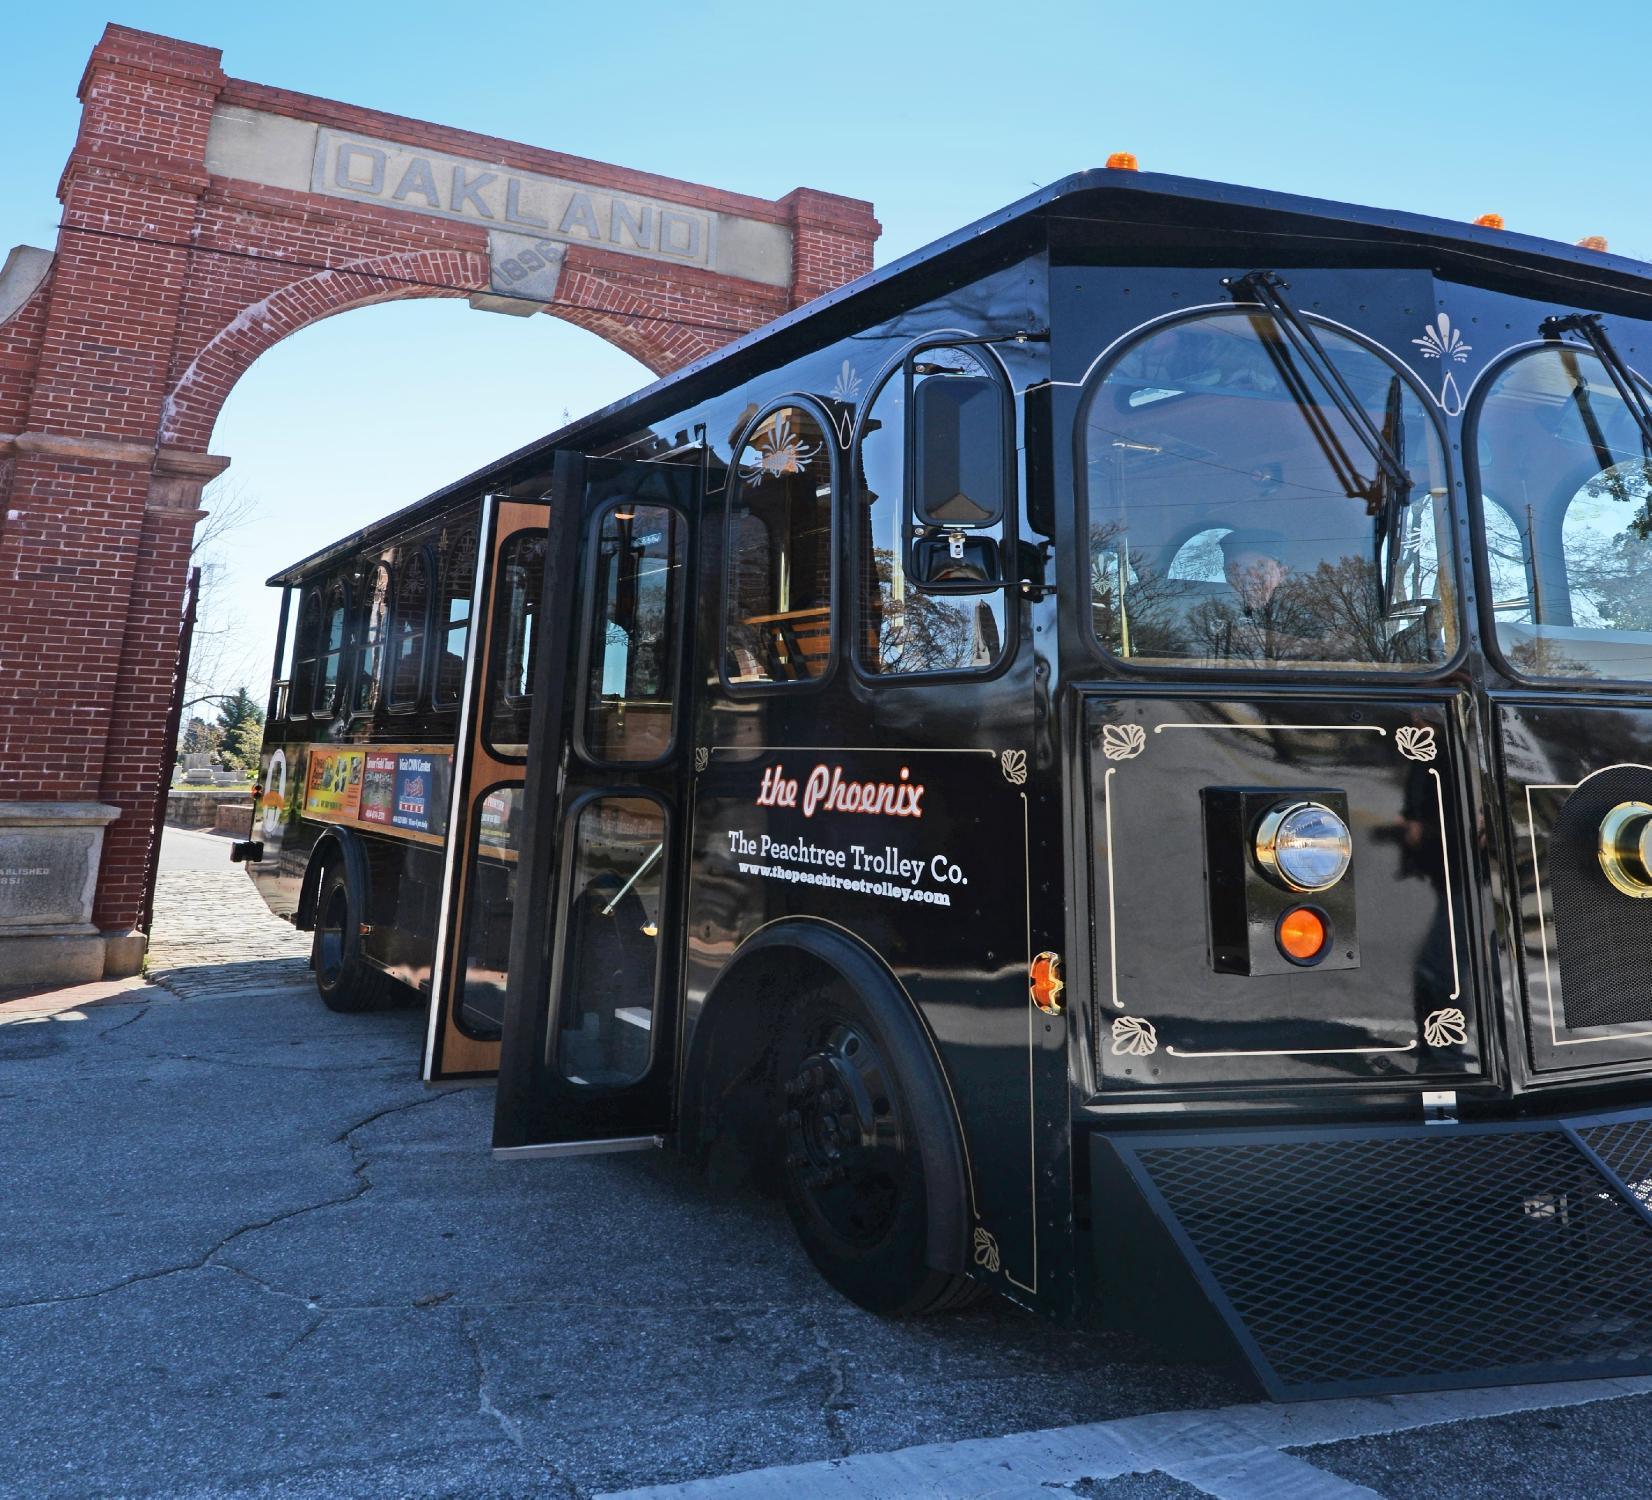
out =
column 903, row 627
column 301, row 688
column 409, row 627
column 370, row 640
column 778, row 574
column 1237, row 519
column 1567, row 533
column 453, row 616
column 330, row 658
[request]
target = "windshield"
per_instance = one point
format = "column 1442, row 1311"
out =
column 1237, row 519
column 1565, row 483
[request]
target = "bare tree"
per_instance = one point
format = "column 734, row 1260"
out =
column 219, row 659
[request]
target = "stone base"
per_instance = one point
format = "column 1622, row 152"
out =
column 123, row 954
column 50, row 960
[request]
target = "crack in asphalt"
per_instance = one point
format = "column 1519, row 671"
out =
column 143, row 1010
column 832, row 1403
column 363, row 1184
column 508, row 1425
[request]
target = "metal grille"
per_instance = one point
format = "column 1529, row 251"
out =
column 1603, row 937
column 1408, row 1259
column 1626, row 1148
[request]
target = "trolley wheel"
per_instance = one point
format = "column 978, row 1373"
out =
column 852, row 1172
column 345, row 980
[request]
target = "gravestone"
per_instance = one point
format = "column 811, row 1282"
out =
column 49, row 854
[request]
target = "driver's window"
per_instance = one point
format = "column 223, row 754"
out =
column 903, row 627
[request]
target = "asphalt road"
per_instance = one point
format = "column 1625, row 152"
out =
column 243, row 1252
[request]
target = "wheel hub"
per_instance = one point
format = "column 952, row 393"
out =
column 844, row 1150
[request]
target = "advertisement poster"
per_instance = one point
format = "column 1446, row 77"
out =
column 496, row 831
column 378, row 792
column 334, row 788
column 415, row 793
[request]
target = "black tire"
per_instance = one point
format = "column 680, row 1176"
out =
column 853, row 1169
column 344, row 979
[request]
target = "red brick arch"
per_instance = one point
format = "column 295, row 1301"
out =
column 190, row 410
column 204, row 219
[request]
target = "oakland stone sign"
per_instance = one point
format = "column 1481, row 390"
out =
column 530, row 216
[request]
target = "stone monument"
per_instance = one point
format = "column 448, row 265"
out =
column 49, row 854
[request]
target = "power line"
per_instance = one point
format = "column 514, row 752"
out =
column 440, row 286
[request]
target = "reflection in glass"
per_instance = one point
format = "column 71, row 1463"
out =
column 612, row 947
column 1236, row 520
column 901, row 628
column 305, row 646
column 407, row 629
column 371, row 644
column 332, row 653
column 1568, row 525
column 629, row 689
column 490, row 894
column 453, row 616
column 779, row 573
column 511, row 644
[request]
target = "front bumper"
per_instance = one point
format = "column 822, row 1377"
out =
column 1402, row 1257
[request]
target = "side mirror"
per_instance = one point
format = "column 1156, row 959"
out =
column 956, row 558
column 959, row 451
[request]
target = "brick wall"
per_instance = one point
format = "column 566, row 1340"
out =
column 168, row 282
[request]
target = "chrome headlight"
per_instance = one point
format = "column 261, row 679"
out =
column 1303, row 846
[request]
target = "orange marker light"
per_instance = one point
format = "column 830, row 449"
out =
column 1045, row 983
column 1122, row 161
column 1490, row 221
column 1302, row 934
column 1593, row 242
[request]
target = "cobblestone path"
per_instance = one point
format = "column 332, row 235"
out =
column 214, row 935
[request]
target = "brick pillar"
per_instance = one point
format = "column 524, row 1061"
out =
column 832, row 240
column 97, row 528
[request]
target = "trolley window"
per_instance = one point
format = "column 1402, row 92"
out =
column 305, row 647
column 409, row 623
column 453, row 616
column 612, row 942
column 521, row 575
column 330, row 661
column 778, row 573
column 490, row 895
column 1566, row 480
column 370, row 641
column 959, row 444
column 630, row 686
column 1237, row 521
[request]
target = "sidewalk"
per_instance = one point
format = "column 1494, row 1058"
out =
column 214, row 935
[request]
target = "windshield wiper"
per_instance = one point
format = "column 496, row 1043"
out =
column 1268, row 289
column 1592, row 330
column 1389, row 524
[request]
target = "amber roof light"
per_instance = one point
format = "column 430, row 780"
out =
column 1593, row 242
column 1122, row 161
column 1490, row 221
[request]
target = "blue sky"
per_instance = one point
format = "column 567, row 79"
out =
column 936, row 112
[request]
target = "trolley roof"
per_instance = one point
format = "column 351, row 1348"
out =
column 1096, row 196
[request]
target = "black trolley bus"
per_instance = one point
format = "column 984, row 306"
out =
column 1110, row 758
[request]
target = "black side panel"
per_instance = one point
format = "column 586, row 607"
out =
column 1602, row 937
column 1411, row 1257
